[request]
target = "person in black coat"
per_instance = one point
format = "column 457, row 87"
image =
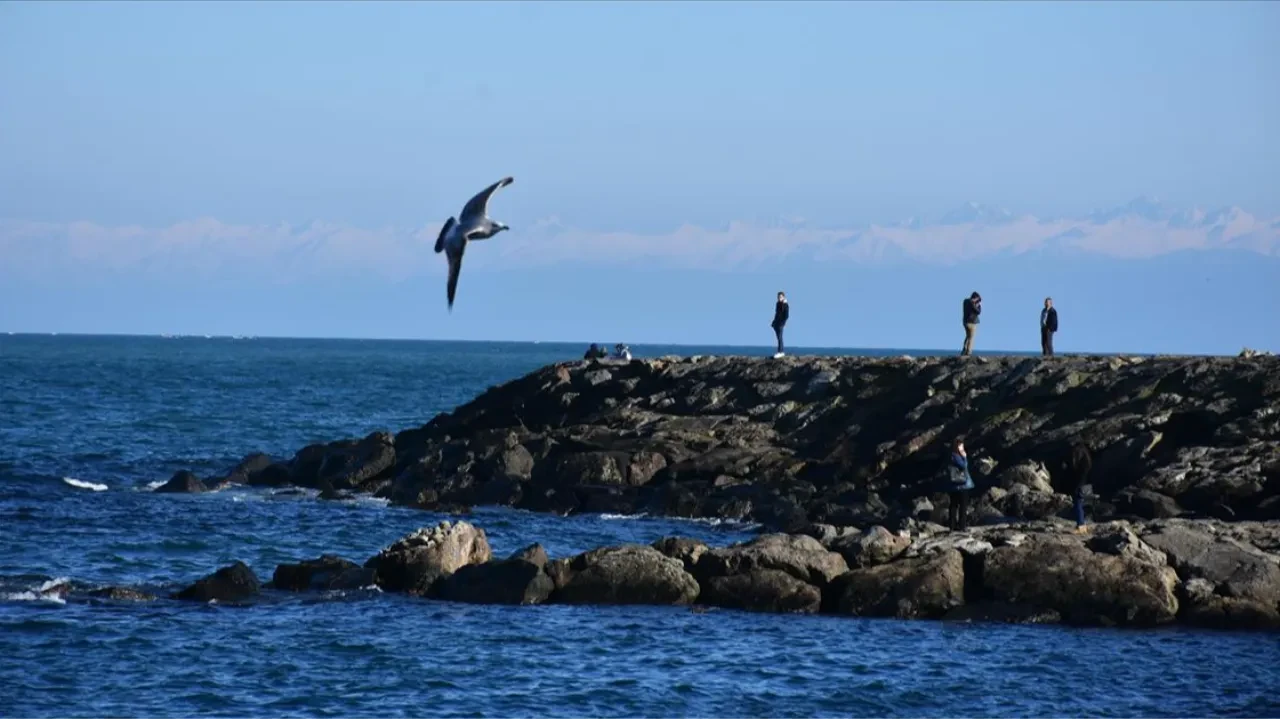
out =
column 972, row 309
column 1079, row 465
column 781, row 311
column 1048, row 326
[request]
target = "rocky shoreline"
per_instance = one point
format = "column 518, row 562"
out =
column 1197, row 573
column 839, row 440
column 838, row 459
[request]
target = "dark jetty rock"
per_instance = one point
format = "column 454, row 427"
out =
column 232, row 583
column 121, row 594
column 1118, row 574
column 844, row 441
column 327, row 572
column 183, row 482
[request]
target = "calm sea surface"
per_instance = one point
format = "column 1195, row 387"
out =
column 89, row 424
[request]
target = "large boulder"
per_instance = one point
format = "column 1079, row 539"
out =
column 1059, row 573
column 518, row 580
column 923, row 587
column 775, row 573
column 623, row 575
column 327, row 572
column 415, row 562
column 800, row 556
column 1227, row 583
column 763, row 590
column 229, row 584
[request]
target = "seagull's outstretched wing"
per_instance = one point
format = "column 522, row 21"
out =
column 478, row 206
column 448, row 224
column 455, row 268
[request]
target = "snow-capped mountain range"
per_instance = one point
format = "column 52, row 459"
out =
column 1139, row 229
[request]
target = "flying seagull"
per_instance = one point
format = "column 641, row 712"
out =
column 472, row 224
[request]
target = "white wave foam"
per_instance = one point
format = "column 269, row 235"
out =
column 48, row 585
column 155, row 484
column 369, row 500
column 73, row 482
column 614, row 516
column 29, row 596
column 714, row 522
column 42, row 592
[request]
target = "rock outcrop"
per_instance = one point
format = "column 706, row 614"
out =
column 232, row 583
column 843, row 441
column 415, row 562
column 327, row 572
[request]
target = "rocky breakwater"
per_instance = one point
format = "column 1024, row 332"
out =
column 839, row 440
column 1145, row 574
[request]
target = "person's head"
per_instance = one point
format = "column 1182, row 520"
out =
column 782, row 297
column 957, row 445
column 1048, row 303
column 975, row 296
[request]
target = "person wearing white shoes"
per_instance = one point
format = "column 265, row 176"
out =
column 781, row 311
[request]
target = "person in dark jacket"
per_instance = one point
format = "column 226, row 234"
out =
column 1079, row 466
column 781, row 311
column 1048, row 326
column 972, row 309
column 961, row 484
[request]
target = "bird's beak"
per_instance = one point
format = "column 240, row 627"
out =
column 506, row 227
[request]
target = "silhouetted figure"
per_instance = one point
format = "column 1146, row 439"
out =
column 1048, row 326
column 595, row 352
column 972, row 309
column 961, row 484
column 1079, row 465
column 781, row 311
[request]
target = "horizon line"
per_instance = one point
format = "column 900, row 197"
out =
column 888, row 351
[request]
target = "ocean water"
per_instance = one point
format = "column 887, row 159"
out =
column 89, row 424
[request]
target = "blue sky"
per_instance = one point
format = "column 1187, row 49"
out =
column 625, row 122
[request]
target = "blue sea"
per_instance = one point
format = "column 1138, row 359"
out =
column 88, row 425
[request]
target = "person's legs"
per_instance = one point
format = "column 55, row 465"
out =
column 777, row 331
column 1078, row 501
column 1044, row 342
column 969, row 330
column 964, row 509
column 1049, row 342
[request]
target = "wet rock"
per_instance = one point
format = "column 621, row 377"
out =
column 761, row 590
column 518, row 580
column 232, row 583
column 415, row 562
column 328, row 572
column 183, row 482
column 624, row 575
column 124, row 594
column 927, row 587
column 1059, row 573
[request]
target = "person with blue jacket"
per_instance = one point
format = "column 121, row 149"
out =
column 961, row 484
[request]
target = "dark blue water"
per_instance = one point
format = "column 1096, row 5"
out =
column 116, row 415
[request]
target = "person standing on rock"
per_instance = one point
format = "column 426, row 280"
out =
column 781, row 311
column 972, row 309
column 961, row 484
column 1079, row 466
column 1048, row 326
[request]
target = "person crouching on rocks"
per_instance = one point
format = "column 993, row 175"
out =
column 781, row 311
column 961, row 484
